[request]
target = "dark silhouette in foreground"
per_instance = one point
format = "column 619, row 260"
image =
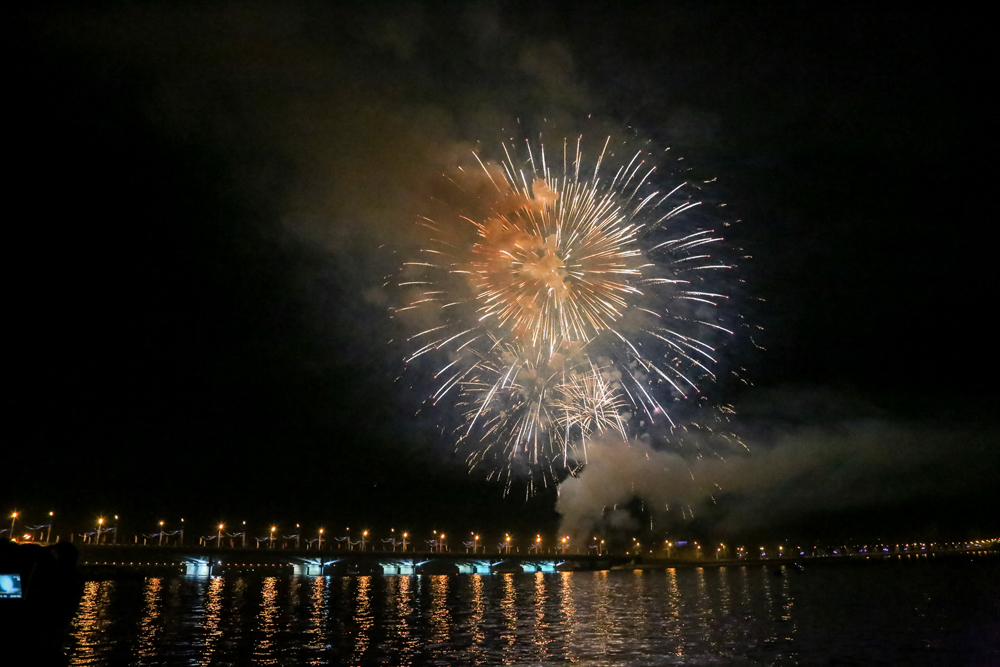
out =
column 41, row 594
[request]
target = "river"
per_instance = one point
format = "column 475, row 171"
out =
column 902, row 612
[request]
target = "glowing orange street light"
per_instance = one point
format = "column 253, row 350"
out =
column 218, row 538
column 405, row 535
column 13, row 520
column 48, row 537
column 100, row 525
column 320, row 546
column 161, row 534
column 271, row 541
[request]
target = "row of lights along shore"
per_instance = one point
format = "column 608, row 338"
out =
column 105, row 532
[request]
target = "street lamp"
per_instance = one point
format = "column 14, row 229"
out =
column 320, row 546
column 13, row 520
column 114, row 531
column 405, row 535
column 364, row 536
column 100, row 525
column 506, row 542
column 161, row 534
column 598, row 545
column 181, row 543
column 218, row 539
column 271, row 541
column 298, row 533
column 475, row 542
column 565, row 543
column 48, row 537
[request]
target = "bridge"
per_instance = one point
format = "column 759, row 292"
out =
column 116, row 560
column 112, row 560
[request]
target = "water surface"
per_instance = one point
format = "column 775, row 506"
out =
column 918, row 612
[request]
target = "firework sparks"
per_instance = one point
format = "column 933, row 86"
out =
column 565, row 302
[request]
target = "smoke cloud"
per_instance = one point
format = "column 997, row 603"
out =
column 791, row 474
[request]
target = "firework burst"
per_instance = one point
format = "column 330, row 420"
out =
column 560, row 301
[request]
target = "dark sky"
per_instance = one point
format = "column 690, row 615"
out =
column 205, row 200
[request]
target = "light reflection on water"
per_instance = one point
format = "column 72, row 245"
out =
column 149, row 626
column 363, row 619
column 509, row 611
column 87, row 629
column 729, row 615
column 317, row 628
column 440, row 616
column 213, row 616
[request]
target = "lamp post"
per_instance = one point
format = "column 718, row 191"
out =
column 244, row 534
column 13, row 520
column 48, row 536
column 100, row 526
column 565, row 543
column 218, row 539
column 405, row 535
column 298, row 533
column 506, row 542
column 271, row 541
column 320, row 546
column 364, row 537
column 182, row 531
column 475, row 542
column 161, row 534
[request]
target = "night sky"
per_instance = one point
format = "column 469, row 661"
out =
column 204, row 201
